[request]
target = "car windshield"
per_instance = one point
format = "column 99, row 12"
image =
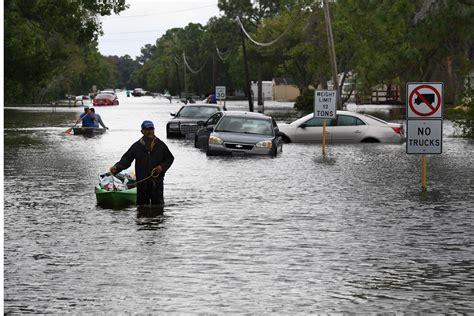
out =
column 105, row 96
column 197, row 112
column 245, row 125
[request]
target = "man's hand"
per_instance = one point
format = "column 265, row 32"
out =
column 113, row 170
column 157, row 170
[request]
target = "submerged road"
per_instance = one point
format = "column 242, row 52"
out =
column 290, row 235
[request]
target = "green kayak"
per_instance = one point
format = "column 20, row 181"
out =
column 115, row 199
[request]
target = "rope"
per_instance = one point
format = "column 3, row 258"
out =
column 189, row 68
column 258, row 43
column 153, row 174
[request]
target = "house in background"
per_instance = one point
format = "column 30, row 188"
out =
column 266, row 90
column 284, row 90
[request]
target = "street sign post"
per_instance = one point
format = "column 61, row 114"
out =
column 424, row 136
column 220, row 92
column 424, row 121
column 424, row 100
column 325, row 103
column 325, row 108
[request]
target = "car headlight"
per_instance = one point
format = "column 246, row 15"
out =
column 174, row 125
column 214, row 140
column 264, row 144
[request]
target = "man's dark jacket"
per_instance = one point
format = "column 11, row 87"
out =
column 146, row 160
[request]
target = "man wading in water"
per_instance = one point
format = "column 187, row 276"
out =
column 152, row 160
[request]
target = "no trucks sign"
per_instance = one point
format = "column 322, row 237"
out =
column 325, row 104
column 424, row 118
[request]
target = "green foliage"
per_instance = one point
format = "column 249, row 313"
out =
column 46, row 46
column 304, row 103
column 463, row 114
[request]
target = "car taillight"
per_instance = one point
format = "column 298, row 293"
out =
column 397, row 130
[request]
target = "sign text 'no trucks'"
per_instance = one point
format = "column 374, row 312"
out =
column 325, row 103
column 424, row 137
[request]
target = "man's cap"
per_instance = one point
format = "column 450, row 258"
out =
column 86, row 107
column 147, row 124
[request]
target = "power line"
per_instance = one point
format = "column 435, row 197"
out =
column 258, row 43
column 189, row 68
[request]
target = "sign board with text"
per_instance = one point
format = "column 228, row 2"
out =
column 424, row 117
column 325, row 103
column 220, row 92
column 424, row 137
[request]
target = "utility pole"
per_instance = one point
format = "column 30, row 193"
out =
column 332, row 52
column 247, row 77
column 177, row 77
column 185, row 86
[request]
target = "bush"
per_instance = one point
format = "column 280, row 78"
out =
column 305, row 102
column 466, row 119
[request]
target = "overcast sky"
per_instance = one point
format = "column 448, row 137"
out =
column 147, row 20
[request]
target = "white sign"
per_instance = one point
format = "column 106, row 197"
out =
column 424, row 136
column 220, row 92
column 424, row 100
column 325, row 103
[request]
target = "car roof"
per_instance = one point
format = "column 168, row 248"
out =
column 203, row 104
column 246, row 114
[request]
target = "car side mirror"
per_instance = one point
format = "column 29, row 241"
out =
column 201, row 123
column 173, row 114
column 278, row 133
column 210, row 128
column 303, row 125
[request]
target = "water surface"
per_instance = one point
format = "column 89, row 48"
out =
column 289, row 235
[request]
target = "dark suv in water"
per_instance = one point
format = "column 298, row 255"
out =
column 184, row 122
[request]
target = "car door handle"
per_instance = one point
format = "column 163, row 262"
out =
column 357, row 132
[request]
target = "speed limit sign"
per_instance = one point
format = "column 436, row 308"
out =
column 220, row 92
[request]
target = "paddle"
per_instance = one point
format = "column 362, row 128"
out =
column 69, row 130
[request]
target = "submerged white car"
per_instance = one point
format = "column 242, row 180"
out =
column 348, row 127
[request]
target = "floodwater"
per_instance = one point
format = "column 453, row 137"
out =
column 292, row 235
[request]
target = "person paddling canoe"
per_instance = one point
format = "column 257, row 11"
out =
column 152, row 159
column 87, row 118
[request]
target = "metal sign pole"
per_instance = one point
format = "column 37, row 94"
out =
column 423, row 173
column 324, row 139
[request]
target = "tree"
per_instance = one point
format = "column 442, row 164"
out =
column 47, row 42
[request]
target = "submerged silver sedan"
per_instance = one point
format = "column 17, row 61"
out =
column 244, row 133
column 348, row 127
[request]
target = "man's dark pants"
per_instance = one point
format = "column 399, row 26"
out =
column 150, row 192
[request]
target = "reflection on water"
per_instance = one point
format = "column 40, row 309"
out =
column 291, row 235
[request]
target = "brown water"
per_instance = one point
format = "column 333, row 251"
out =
column 291, row 235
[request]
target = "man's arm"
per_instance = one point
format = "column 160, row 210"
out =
column 167, row 161
column 125, row 161
column 99, row 119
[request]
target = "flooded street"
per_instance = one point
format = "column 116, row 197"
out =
column 290, row 235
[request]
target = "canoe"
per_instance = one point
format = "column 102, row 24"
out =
column 115, row 199
column 89, row 131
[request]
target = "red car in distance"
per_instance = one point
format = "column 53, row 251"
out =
column 105, row 99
